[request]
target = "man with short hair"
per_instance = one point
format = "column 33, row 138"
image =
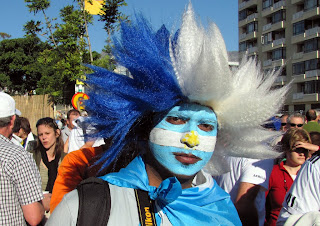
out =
column 20, row 190
column 71, row 115
column 283, row 120
column 312, row 124
column 295, row 120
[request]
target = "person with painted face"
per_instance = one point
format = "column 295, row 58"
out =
column 171, row 122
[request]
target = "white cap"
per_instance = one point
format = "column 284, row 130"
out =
column 7, row 106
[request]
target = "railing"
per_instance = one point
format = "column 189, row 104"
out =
column 281, row 79
column 297, row 56
column 279, row 4
column 297, row 15
column 242, row 36
column 267, row 62
column 279, row 42
column 266, row 27
column 313, row 73
column 252, row 49
column 297, row 96
column 252, row 16
column 312, row 31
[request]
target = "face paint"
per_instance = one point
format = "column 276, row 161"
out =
column 184, row 141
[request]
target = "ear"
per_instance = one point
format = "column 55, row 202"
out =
column 58, row 132
column 13, row 118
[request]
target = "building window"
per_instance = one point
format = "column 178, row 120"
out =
column 311, row 45
column 298, row 28
column 251, row 27
column 310, row 4
column 266, row 4
column 312, row 87
column 298, row 68
column 242, row 46
column 242, row 14
column 278, row 54
column 312, row 64
column 267, row 38
column 278, row 16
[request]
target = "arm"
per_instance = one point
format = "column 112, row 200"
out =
column 244, row 203
column 33, row 213
column 66, row 146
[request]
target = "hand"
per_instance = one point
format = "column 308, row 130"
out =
column 46, row 201
column 311, row 147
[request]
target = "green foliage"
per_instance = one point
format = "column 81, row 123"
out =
column 18, row 66
column 4, row 35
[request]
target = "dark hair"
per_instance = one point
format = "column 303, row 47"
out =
column 315, row 137
column 59, row 142
column 311, row 115
column 17, row 125
column 72, row 111
column 25, row 125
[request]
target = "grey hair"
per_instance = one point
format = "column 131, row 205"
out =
column 5, row 121
column 296, row 115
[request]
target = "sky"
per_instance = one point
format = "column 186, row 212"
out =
column 14, row 14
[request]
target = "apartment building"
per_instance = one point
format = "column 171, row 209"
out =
column 285, row 33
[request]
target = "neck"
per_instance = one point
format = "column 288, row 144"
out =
column 292, row 169
column 50, row 151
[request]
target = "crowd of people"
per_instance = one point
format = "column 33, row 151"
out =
column 183, row 140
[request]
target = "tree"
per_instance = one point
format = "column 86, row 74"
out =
column 18, row 64
column 4, row 35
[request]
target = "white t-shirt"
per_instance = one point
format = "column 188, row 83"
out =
column 252, row 171
column 76, row 138
column 304, row 194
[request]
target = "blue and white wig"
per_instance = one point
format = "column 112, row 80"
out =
column 190, row 66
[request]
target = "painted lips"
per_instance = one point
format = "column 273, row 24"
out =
column 186, row 159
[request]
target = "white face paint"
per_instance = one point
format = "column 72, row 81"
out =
column 184, row 141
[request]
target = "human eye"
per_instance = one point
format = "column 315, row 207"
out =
column 176, row 120
column 206, row 127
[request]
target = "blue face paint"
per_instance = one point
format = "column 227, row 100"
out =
column 183, row 142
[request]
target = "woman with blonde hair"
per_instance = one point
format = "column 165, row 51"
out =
column 293, row 144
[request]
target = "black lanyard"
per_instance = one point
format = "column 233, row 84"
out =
column 145, row 208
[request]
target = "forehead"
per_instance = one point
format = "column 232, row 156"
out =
column 193, row 110
column 296, row 120
column 44, row 128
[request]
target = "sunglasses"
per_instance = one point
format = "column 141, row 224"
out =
column 283, row 123
column 301, row 150
column 294, row 125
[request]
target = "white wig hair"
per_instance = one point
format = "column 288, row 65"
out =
column 242, row 99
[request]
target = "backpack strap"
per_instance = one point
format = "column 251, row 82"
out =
column 145, row 208
column 94, row 202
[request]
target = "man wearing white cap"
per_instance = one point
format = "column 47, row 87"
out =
column 20, row 182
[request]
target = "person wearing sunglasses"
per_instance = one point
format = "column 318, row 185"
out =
column 283, row 120
column 295, row 120
column 293, row 144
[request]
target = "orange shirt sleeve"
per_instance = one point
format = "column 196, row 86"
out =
column 71, row 172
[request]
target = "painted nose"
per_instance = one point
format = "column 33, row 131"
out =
column 191, row 139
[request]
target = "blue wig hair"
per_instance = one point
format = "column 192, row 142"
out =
column 117, row 102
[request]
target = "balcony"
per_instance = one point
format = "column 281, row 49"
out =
column 276, row 43
column 297, row 38
column 296, row 1
column 273, row 63
column 267, row 63
column 247, row 36
column 266, row 27
column 280, row 80
column 250, row 18
column 313, row 74
column 311, row 13
column 311, row 55
column 312, row 33
column 297, row 16
column 297, row 57
column 252, row 50
column 247, row 4
column 302, row 97
column 277, row 6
